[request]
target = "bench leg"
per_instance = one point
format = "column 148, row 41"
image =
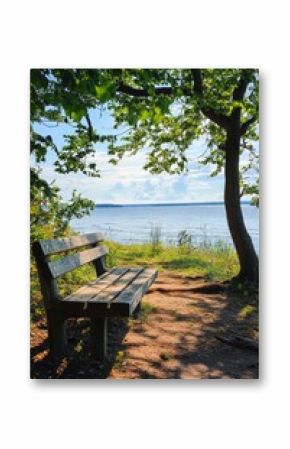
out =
column 99, row 337
column 137, row 310
column 55, row 325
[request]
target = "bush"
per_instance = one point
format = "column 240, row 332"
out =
column 184, row 241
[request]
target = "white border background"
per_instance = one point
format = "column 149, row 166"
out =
column 219, row 414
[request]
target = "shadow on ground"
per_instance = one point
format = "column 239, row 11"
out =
column 79, row 363
column 174, row 339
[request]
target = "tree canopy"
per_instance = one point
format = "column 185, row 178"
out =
column 162, row 110
column 173, row 110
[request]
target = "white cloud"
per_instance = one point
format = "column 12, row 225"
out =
column 128, row 182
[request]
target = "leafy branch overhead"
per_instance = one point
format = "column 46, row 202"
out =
column 174, row 108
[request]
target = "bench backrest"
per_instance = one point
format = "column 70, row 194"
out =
column 49, row 270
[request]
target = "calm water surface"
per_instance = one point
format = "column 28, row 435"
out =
column 133, row 224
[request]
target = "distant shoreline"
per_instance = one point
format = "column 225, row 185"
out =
column 214, row 203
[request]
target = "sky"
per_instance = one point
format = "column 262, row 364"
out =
column 128, row 182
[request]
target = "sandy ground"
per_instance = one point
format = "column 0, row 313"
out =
column 174, row 338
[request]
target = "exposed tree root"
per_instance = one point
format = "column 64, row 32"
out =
column 239, row 342
column 243, row 277
column 207, row 288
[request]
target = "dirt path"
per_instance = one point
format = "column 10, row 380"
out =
column 173, row 338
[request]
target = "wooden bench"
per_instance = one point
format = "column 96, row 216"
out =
column 115, row 293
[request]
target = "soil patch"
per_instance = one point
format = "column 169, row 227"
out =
column 174, row 337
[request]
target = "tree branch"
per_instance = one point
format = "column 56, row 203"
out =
column 210, row 113
column 245, row 125
column 125, row 89
column 240, row 90
column 90, row 127
column 219, row 119
column 197, row 87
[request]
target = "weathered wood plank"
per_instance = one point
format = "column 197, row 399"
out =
column 96, row 287
column 132, row 295
column 67, row 243
column 68, row 263
column 113, row 290
column 82, row 289
column 48, row 285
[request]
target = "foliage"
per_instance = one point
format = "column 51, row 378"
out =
column 49, row 214
column 66, row 96
column 59, row 96
column 184, row 240
column 246, row 311
column 168, row 116
column 218, row 262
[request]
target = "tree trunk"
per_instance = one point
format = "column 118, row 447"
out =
column 249, row 265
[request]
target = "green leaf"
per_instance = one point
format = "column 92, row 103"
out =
column 104, row 91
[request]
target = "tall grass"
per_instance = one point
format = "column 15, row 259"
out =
column 155, row 238
column 218, row 262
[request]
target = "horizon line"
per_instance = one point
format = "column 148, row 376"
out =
column 166, row 204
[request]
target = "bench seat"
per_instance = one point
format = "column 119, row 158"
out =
column 116, row 293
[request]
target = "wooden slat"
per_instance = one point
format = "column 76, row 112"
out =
column 131, row 296
column 107, row 295
column 68, row 263
column 67, row 243
column 84, row 287
column 94, row 288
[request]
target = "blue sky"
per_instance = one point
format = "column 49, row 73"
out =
column 128, row 182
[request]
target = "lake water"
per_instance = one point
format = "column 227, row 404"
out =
column 128, row 224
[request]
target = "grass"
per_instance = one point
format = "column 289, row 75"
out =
column 215, row 263
column 155, row 238
column 145, row 310
column 121, row 360
column 247, row 311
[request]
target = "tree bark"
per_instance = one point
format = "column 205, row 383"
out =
column 249, row 264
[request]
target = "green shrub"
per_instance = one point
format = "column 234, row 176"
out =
column 184, row 239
